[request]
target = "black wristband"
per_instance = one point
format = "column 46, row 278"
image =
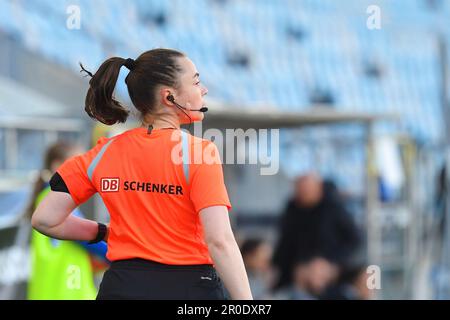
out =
column 101, row 233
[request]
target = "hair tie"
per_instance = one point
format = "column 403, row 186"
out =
column 130, row 64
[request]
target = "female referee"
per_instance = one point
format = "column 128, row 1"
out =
column 169, row 221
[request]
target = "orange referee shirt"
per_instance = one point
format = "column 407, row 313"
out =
column 153, row 198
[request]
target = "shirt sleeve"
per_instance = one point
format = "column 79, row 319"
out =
column 74, row 172
column 207, row 183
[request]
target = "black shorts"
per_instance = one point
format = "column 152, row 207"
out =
column 143, row 279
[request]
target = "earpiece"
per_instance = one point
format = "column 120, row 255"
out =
column 171, row 98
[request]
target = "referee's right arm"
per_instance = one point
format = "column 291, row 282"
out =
column 225, row 252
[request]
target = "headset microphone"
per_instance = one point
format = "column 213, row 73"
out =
column 172, row 99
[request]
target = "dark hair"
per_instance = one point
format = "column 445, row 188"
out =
column 349, row 274
column 152, row 68
column 250, row 245
column 57, row 152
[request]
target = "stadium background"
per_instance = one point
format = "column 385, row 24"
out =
column 365, row 107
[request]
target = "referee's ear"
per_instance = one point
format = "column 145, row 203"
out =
column 167, row 97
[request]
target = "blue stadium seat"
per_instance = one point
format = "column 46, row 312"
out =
column 330, row 49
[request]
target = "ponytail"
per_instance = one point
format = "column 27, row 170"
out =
column 100, row 103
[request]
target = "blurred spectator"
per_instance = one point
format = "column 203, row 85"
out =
column 352, row 285
column 315, row 223
column 257, row 254
column 310, row 279
column 441, row 204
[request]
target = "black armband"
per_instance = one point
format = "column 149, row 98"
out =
column 57, row 184
column 101, row 233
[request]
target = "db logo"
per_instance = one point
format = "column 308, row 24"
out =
column 109, row 184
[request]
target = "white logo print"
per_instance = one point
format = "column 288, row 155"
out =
column 110, row 184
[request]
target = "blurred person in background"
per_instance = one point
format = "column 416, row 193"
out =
column 257, row 255
column 310, row 279
column 314, row 223
column 440, row 207
column 61, row 270
column 351, row 285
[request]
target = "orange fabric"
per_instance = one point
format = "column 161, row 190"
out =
column 153, row 209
